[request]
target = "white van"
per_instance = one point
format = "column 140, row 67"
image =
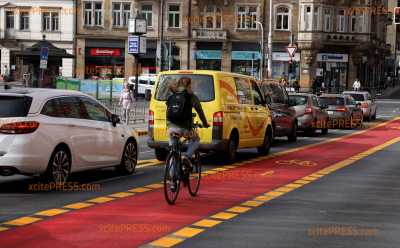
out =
column 146, row 82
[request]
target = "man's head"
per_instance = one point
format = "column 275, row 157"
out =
column 173, row 86
column 185, row 82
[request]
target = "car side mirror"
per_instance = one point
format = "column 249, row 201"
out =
column 115, row 120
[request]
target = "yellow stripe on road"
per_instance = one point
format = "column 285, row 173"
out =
column 78, row 205
column 52, row 212
column 166, row 242
column 22, row 221
column 101, row 199
column 188, row 232
column 207, row 223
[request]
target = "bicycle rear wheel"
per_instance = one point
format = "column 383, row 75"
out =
column 171, row 179
column 195, row 176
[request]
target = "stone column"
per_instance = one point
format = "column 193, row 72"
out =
column 183, row 54
column 307, row 68
column 226, row 56
column 80, row 58
column 193, row 55
column 355, row 60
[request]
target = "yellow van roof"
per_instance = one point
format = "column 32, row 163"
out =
column 206, row 72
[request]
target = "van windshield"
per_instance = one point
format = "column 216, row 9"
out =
column 202, row 86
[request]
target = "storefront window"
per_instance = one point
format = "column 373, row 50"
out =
column 104, row 63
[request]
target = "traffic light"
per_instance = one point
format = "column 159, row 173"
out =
column 397, row 15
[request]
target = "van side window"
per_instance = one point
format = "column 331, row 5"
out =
column 258, row 99
column 243, row 91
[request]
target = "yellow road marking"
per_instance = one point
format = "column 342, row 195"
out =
column 188, row 232
column 122, row 194
column 310, row 178
column 139, row 190
column 166, row 242
column 294, row 185
column 301, row 181
column 3, row 229
column 219, row 169
column 274, row 193
column 52, row 212
column 100, row 199
column 264, row 198
column 230, row 166
column 284, row 189
column 211, row 172
column 224, row 216
column 268, row 173
column 22, row 221
column 78, row 205
column 238, row 209
column 207, row 223
column 252, row 203
column 155, row 186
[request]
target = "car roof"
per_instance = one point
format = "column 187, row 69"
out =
column 333, row 95
column 39, row 95
column 355, row 92
column 301, row 94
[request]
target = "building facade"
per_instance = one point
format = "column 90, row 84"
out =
column 393, row 37
column 24, row 23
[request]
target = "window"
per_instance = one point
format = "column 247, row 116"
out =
column 316, row 18
column 299, row 100
column 95, row 111
column 341, row 21
column 50, row 21
column 258, row 99
column 243, row 91
column 147, row 12
column 24, row 21
column 71, row 108
column 14, row 106
column 328, row 21
column 307, row 18
column 315, row 101
column 93, row 14
column 120, row 14
column 211, row 17
column 52, row 108
column 174, row 16
column 357, row 22
column 247, row 17
column 282, row 18
column 10, row 19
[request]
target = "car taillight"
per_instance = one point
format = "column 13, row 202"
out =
column 151, row 118
column 308, row 110
column 22, row 127
column 218, row 119
column 364, row 105
column 341, row 109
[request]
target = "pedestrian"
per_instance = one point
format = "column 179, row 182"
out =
column 356, row 85
column 126, row 101
column 296, row 86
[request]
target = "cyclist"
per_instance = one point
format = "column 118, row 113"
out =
column 179, row 114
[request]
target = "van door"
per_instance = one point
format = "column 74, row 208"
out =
column 260, row 116
column 243, row 91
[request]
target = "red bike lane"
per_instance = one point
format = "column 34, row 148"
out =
column 142, row 218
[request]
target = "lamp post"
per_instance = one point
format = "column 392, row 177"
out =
column 262, row 49
column 270, row 40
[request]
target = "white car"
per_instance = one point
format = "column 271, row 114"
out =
column 368, row 104
column 146, row 82
column 52, row 133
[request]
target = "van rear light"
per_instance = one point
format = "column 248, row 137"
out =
column 218, row 119
column 22, row 127
column 341, row 109
column 151, row 118
column 308, row 110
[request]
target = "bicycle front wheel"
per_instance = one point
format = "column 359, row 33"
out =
column 171, row 179
column 195, row 176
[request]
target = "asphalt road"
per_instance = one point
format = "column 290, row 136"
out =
column 360, row 197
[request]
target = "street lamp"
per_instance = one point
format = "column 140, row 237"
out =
column 262, row 48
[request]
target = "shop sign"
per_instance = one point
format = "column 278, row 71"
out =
column 137, row 44
column 246, row 55
column 208, row 54
column 281, row 56
column 113, row 52
column 332, row 57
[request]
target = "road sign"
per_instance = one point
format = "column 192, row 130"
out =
column 136, row 44
column 44, row 57
column 291, row 50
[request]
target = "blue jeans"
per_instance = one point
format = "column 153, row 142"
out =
column 194, row 141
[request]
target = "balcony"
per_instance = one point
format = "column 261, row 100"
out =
column 209, row 34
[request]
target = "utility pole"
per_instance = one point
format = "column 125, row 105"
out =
column 262, row 50
column 270, row 39
column 162, row 35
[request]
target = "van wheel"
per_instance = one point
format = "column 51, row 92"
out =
column 161, row 154
column 59, row 167
column 230, row 155
column 129, row 158
column 293, row 134
column 264, row 149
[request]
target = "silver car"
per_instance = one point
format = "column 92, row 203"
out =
column 310, row 114
column 368, row 104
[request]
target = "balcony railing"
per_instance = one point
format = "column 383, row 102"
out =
column 209, row 34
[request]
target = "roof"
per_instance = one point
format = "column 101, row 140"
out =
column 37, row 47
column 204, row 72
column 332, row 95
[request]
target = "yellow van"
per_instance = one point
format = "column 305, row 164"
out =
column 233, row 105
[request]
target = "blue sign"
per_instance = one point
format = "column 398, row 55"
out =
column 246, row 55
column 44, row 53
column 208, row 54
column 133, row 44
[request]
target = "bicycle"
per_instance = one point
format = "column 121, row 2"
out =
column 178, row 169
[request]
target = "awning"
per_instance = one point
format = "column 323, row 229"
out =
column 208, row 54
column 246, row 55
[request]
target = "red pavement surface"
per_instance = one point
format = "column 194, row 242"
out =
column 136, row 220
